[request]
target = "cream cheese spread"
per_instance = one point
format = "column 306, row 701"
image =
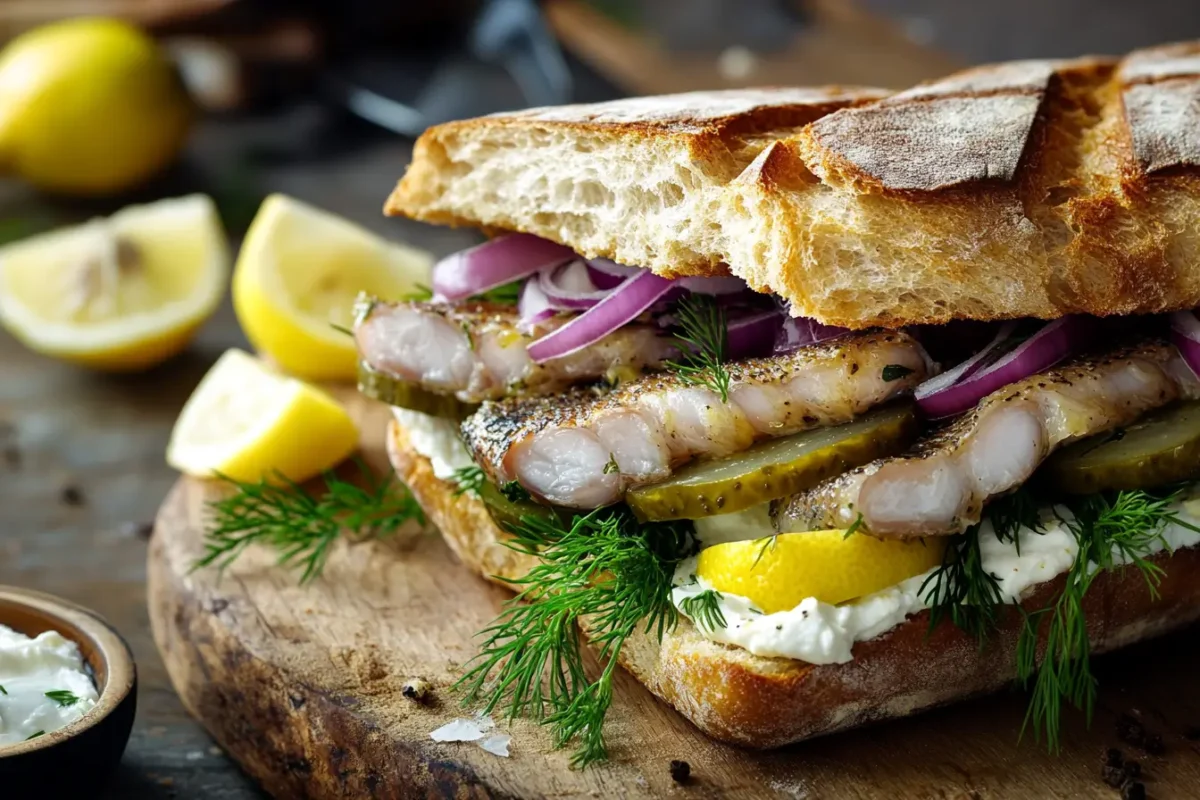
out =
column 435, row 438
column 43, row 685
column 820, row 633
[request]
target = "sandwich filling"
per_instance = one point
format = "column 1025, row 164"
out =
column 688, row 450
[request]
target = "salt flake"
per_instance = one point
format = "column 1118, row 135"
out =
column 459, row 730
column 497, row 744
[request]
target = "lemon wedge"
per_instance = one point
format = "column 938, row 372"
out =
column 247, row 422
column 121, row 293
column 297, row 277
column 776, row 575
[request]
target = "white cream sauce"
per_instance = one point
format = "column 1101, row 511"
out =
column 820, row 633
column 31, row 667
column 435, row 438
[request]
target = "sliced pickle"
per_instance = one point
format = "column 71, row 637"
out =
column 406, row 394
column 775, row 468
column 507, row 510
column 1160, row 448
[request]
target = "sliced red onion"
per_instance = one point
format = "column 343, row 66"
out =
column 797, row 332
column 534, row 306
column 714, row 285
column 494, row 263
column 570, row 286
column 622, row 306
column 1185, row 334
column 1050, row 345
column 967, row 368
column 614, row 272
column 753, row 334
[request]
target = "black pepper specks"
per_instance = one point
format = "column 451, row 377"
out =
column 681, row 771
column 417, row 689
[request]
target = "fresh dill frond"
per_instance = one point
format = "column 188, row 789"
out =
column 303, row 528
column 64, row 697
column 514, row 492
column 507, row 294
column 1112, row 530
column 704, row 338
column 341, row 329
column 468, row 479
column 606, row 567
column 768, row 543
column 612, row 467
column 894, row 372
column 854, row 527
column 961, row 590
column 420, row 294
column 704, row 609
column 1013, row 513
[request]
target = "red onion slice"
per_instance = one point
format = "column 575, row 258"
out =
column 1185, row 335
column 797, row 332
column 714, row 285
column 616, row 273
column 570, row 286
column 967, row 368
column 622, row 306
column 753, row 335
column 494, row 263
column 1050, row 345
column 534, row 306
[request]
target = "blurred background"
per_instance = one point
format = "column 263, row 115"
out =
column 321, row 100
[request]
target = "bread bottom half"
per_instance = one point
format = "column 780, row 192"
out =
column 737, row 697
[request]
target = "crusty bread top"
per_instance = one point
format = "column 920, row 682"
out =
column 1034, row 188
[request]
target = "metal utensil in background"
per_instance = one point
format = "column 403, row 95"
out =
column 509, row 59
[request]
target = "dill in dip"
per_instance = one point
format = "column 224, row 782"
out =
column 43, row 685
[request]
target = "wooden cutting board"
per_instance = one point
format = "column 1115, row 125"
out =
column 302, row 686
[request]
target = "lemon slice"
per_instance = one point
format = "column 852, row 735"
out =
column 297, row 277
column 121, row 293
column 826, row 565
column 247, row 422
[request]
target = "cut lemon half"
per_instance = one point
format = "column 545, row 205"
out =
column 296, row 280
column 121, row 293
column 247, row 422
column 778, row 574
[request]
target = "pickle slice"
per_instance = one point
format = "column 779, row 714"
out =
column 508, row 509
column 1160, row 448
column 406, row 394
column 775, row 468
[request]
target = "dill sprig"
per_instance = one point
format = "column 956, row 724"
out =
column 507, row 294
column 420, row 294
column 303, row 528
column 704, row 338
column 468, row 479
column 1013, row 513
column 961, row 590
column 704, row 609
column 64, row 697
column 605, row 567
column 1112, row 530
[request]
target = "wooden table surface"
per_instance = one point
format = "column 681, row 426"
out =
column 81, row 455
column 65, row 432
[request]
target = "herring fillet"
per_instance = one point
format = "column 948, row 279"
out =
column 941, row 486
column 586, row 448
column 476, row 352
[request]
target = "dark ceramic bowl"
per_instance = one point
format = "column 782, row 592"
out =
column 73, row 761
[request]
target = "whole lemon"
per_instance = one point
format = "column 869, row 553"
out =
column 89, row 106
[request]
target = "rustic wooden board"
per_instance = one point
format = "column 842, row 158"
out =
column 301, row 685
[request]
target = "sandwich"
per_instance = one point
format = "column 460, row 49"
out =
column 812, row 407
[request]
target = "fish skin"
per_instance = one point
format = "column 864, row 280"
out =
column 588, row 446
column 476, row 351
column 1088, row 395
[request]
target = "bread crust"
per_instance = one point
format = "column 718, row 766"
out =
column 1028, row 189
column 737, row 697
